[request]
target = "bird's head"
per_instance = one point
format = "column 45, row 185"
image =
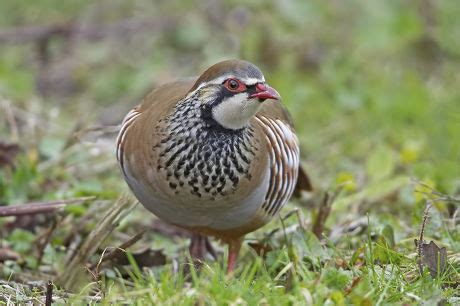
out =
column 231, row 92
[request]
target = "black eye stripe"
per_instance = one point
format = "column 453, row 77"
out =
column 251, row 89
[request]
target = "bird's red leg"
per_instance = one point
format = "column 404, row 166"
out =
column 234, row 247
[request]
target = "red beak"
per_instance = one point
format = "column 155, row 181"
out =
column 264, row 91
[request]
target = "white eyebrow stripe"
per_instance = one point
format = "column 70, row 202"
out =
column 253, row 81
column 221, row 79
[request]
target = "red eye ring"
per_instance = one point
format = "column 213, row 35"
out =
column 234, row 85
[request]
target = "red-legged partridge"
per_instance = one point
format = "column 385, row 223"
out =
column 215, row 155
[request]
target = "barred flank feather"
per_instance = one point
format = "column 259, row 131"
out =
column 127, row 121
column 284, row 163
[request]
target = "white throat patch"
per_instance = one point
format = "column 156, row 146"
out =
column 235, row 112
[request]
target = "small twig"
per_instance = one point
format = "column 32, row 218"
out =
column 38, row 207
column 300, row 220
column 323, row 212
column 433, row 192
column 422, row 229
column 282, row 219
column 118, row 251
column 353, row 284
column 49, row 293
column 290, row 213
column 46, row 239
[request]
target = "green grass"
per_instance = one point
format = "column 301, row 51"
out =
column 300, row 273
column 374, row 90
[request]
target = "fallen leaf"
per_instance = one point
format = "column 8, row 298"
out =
column 144, row 258
column 432, row 257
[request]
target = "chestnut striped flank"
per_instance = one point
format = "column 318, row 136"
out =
column 284, row 163
column 127, row 121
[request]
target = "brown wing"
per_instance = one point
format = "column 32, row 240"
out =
column 157, row 104
column 276, row 110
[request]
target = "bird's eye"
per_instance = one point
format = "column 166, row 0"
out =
column 234, row 85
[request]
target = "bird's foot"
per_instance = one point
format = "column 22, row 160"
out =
column 199, row 247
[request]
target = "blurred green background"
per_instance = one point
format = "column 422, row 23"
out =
column 373, row 86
